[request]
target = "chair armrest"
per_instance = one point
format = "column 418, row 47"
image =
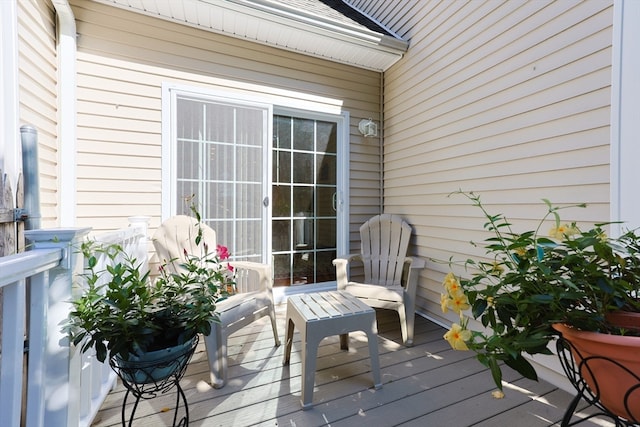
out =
column 351, row 257
column 252, row 276
column 342, row 269
column 411, row 272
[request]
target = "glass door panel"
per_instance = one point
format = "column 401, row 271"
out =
column 304, row 192
column 220, row 167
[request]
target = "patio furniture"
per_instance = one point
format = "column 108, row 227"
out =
column 253, row 298
column 253, row 301
column 322, row 314
column 390, row 281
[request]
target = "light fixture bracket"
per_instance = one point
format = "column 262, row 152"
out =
column 368, row 128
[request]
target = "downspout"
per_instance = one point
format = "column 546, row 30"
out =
column 69, row 394
column 30, row 176
column 66, row 112
column 380, row 141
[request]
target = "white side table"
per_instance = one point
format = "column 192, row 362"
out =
column 322, row 314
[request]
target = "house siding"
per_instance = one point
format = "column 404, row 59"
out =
column 123, row 60
column 37, row 61
column 510, row 100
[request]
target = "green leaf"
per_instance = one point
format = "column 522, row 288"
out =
column 522, row 366
column 496, row 373
column 479, row 306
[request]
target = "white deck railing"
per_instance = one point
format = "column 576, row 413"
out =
column 97, row 378
column 14, row 272
column 52, row 383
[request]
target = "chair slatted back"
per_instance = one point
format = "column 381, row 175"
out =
column 384, row 245
column 177, row 235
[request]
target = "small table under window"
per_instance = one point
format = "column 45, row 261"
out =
column 322, row 314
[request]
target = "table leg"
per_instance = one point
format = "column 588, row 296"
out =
column 370, row 327
column 288, row 341
column 309, row 356
column 344, row 341
column 375, row 360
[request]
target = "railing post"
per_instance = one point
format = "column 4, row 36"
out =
column 62, row 370
column 11, row 368
column 141, row 252
column 141, row 222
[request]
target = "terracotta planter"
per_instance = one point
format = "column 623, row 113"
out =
column 625, row 319
column 610, row 366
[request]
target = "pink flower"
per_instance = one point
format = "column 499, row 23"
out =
column 222, row 251
column 230, row 267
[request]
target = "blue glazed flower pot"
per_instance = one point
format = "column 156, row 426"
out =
column 154, row 366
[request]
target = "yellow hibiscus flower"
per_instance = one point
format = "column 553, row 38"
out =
column 444, row 302
column 458, row 302
column 562, row 231
column 451, row 284
column 457, row 336
column 497, row 269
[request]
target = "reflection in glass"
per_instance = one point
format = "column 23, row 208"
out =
column 303, row 168
column 303, row 134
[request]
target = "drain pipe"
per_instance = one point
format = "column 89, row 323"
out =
column 29, row 137
column 380, row 145
column 67, row 108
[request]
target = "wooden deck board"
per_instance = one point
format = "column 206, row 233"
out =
column 427, row 384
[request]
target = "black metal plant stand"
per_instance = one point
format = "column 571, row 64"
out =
column 146, row 380
column 591, row 394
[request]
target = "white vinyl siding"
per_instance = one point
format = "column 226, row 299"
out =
column 38, row 96
column 123, row 60
column 507, row 99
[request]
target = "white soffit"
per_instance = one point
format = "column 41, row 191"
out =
column 309, row 27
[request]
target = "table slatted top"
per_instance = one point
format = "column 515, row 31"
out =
column 327, row 305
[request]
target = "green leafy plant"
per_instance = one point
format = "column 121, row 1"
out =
column 530, row 281
column 122, row 311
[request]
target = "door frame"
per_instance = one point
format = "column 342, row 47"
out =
column 280, row 293
column 280, row 105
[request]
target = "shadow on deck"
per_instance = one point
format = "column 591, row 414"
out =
column 427, row 384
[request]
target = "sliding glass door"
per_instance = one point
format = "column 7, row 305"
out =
column 304, row 192
column 269, row 184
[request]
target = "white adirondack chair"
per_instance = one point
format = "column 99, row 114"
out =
column 253, row 300
column 390, row 276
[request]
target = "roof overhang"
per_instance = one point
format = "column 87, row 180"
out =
column 279, row 24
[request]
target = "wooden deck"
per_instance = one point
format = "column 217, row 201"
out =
column 425, row 385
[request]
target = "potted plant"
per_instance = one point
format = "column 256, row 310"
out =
column 531, row 286
column 122, row 313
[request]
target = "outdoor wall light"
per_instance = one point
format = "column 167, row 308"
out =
column 368, row 128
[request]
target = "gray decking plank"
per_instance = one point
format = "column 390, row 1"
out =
column 427, row 384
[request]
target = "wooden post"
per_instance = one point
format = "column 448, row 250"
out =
column 9, row 243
